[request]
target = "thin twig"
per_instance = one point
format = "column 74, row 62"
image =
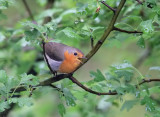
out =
column 114, row 10
column 28, row 9
column 105, row 35
column 126, row 31
column 74, row 80
column 148, row 81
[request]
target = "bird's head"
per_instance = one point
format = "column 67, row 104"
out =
column 74, row 56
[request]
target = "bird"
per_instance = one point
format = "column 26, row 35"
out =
column 62, row 58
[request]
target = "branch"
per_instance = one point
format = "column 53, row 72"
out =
column 28, row 9
column 74, row 80
column 112, row 9
column 148, row 80
column 105, row 35
column 125, row 31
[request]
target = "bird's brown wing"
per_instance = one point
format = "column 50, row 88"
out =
column 56, row 50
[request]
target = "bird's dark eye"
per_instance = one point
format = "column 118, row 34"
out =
column 75, row 53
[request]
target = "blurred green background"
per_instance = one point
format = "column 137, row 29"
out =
column 19, row 56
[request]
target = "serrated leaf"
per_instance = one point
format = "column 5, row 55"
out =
column 127, row 74
column 155, row 89
column 95, row 15
column 3, row 105
column 61, row 109
column 150, row 105
column 81, row 7
column 141, row 43
column 147, row 26
column 70, row 99
column 24, row 101
column 129, row 104
column 40, row 28
column 133, row 20
column 120, row 90
column 98, row 76
column 130, row 88
column 69, row 32
column 3, row 76
column 29, row 79
column 95, row 29
column 123, row 65
column 32, row 35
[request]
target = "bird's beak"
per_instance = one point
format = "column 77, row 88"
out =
column 82, row 58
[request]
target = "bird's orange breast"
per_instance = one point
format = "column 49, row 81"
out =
column 69, row 64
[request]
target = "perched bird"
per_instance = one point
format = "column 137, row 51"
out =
column 62, row 58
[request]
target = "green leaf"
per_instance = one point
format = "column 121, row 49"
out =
column 124, row 65
column 61, row 109
column 81, row 8
column 120, row 90
column 141, row 43
column 29, row 79
column 95, row 15
column 3, row 76
column 95, row 29
column 127, row 74
column 128, row 104
column 98, row 76
column 41, row 29
column 124, row 70
column 70, row 99
column 32, row 35
column 155, row 89
column 69, row 32
column 3, row 105
column 150, row 105
column 147, row 26
column 24, row 101
column 133, row 20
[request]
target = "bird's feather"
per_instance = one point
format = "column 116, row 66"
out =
column 56, row 50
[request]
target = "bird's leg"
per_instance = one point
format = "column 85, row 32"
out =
column 92, row 42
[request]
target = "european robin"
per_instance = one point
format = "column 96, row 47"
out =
column 63, row 58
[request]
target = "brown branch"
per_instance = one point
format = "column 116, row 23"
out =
column 103, row 2
column 125, row 31
column 148, row 81
column 49, row 82
column 28, row 9
column 105, row 35
column 74, row 80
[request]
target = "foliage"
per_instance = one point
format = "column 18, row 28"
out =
column 74, row 22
